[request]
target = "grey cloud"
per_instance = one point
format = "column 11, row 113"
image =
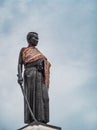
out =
column 67, row 38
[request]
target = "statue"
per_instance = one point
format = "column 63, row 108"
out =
column 35, row 80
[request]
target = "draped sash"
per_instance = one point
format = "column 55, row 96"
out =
column 31, row 54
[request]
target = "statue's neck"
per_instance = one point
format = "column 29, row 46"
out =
column 31, row 46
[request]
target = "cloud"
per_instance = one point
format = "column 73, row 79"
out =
column 67, row 31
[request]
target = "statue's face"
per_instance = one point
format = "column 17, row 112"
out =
column 32, row 38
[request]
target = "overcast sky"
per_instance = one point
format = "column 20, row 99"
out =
column 68, row 37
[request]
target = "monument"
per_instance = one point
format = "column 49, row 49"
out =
column 34, row 84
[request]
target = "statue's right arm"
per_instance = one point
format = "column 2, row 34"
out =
column 20, row 67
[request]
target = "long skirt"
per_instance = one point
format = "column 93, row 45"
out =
column 37, row 95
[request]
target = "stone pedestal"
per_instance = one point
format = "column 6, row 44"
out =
column 39, row 126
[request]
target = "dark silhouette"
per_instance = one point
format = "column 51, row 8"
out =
column 35, row 79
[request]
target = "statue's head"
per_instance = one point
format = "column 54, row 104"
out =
column 32, row 38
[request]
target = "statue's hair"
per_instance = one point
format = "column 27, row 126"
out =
column 30, row 34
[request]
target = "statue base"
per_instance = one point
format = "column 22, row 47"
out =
column 39, row 126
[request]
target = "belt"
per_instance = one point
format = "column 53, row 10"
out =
column 33, row 64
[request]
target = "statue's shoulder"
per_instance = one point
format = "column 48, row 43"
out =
column 22, row 49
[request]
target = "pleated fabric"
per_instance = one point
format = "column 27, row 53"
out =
column 37, row 95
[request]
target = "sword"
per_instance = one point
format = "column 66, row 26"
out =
column 25, row 97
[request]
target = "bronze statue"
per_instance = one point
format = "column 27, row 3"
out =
column 36, row 80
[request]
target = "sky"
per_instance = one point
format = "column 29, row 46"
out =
column 67, row 36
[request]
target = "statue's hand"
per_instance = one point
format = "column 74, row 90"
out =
column 20, row 80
